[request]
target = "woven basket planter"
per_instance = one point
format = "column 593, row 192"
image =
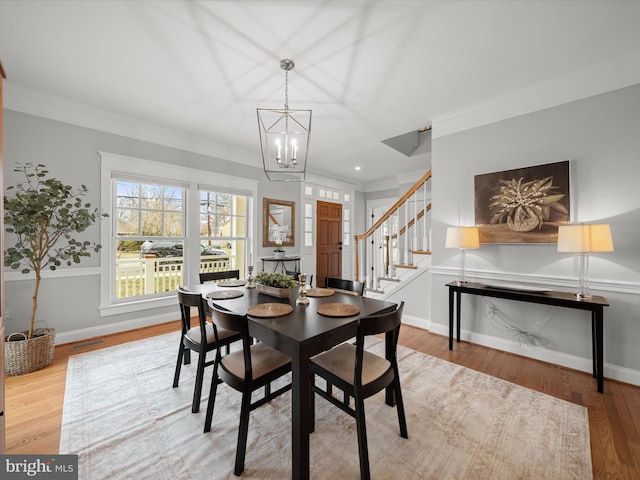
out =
column 29, row 355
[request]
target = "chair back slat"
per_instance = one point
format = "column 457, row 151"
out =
column 187, row 300
column 342, row 284
column 237, row 323
column 380, row 323
column 217, row 276
column 230, row 321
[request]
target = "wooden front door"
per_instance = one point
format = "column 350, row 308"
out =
column 328, row 241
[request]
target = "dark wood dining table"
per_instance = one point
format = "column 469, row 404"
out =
column 300, row 335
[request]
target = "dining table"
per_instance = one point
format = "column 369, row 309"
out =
column 300, row 334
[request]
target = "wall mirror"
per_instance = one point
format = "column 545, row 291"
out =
column 278, row 222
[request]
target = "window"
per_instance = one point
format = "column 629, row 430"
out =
column 164, row 229
column 308, row 224
column 223, row 231
column 149, row 238
column 346, row 227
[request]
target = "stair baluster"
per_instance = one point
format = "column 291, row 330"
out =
column 390, row 239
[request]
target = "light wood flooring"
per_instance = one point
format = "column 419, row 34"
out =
column 34, row 401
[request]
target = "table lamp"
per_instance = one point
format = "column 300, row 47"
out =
column 462, row 238
column 584, row 239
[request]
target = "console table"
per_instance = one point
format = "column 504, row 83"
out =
column 560, row 299
column 280, row 263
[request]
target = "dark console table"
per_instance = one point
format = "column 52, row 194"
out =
column 280, row 262
column 560, row 299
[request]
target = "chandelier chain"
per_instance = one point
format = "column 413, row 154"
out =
column 286, row 90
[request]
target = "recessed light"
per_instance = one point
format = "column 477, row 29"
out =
column 357, row 168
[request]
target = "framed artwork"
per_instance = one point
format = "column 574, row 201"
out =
column 524, row 205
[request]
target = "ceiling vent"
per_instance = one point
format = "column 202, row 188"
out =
column 413, row 143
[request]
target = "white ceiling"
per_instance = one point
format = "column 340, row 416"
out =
column 195, row 71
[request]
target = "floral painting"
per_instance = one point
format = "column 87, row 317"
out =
column 524, row 205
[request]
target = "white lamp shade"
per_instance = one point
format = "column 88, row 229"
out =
column 462, row 237
column 585, row 238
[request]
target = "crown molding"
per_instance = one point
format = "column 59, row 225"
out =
column 614, row 74
column 35, row 102
column 329, row 182
column 395, row 182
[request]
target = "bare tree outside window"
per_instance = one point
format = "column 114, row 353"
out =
column 149, row 210
column 215, row 213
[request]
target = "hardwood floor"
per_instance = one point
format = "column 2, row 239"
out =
column 34, row 401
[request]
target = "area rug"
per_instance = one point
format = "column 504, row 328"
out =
column 125, row 421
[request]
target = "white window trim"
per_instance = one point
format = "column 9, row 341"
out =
column 111, row 163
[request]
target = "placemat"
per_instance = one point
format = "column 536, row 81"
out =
column 225, row 294
column 269, row 310
column 338, row 310
column 320, row 292
column 232, row 283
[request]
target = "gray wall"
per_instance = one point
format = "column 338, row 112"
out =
column 69, row 299
column 599, row 135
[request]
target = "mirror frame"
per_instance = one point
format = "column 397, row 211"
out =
column 266, row 239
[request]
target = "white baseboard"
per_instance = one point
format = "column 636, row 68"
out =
column 416, row 321
column 116, row 327
column 582, row 364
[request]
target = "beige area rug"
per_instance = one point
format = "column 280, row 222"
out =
column 124, row 420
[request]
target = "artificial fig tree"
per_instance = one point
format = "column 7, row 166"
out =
column 43, row 214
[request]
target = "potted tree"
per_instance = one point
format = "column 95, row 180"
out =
column 43, row 214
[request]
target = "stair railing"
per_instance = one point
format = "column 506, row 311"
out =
column 393, row 239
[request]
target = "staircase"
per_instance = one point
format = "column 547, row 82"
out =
column 397, row 247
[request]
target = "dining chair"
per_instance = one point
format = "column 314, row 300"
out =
column 200, row 339
column 361, row 374
column 295, row 275
column 217, row 276
column 346, row 286
column 246, row 370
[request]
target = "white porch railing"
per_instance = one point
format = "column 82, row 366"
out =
column 143, row 276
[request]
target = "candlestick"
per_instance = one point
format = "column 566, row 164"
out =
column 250, row 281
column 302, row 299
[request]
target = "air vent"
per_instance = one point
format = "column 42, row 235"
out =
column 92, row 343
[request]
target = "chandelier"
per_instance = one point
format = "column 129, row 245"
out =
column 284, row 137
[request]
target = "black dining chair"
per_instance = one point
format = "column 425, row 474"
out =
column 200, row 339
column 247, row 370
column 346, row 286
column 296, row 275
column 217, row 276
column 361, row 374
